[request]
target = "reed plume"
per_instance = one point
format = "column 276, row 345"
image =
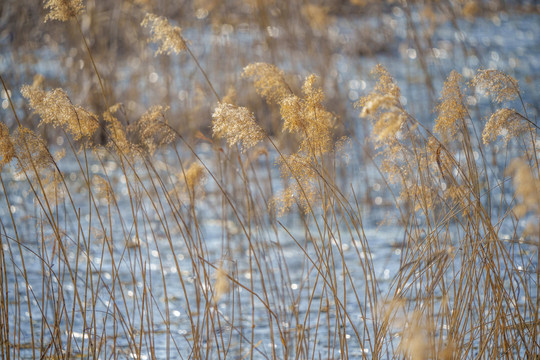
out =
column 300, row 170
column 222, row 284
column 168, row 36
column 118, row 138
column 54, row 107
column 383, row 107
column 237, row 125
column 504, row 122
column 451, row 108
column 63, row 10
column 31, row 151
column 153, row 128
column 527, row 187
column 306, row 118
column 495, row 83
column 408, row 159
column 269, row 81
column 309, row 119
column 7, row 149
column 195, row 177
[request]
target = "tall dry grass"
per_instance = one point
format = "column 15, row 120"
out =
column 255, row 240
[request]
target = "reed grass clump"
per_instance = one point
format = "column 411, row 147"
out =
column 129, row 238
column 449, row 193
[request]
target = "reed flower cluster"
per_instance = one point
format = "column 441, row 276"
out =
column 420, row 163
column 236, row 124
column 153, row 128
column 195, row 177
column 527, row 187
column 54, row 107
column 451, row 109
column 495, row 83
column 504, row 122
column 383, row 107
column 63, row 10
column 7, row 149
column 118, row 138
column 308, row 120
column 31, row 151
column 269, row 81
column 168, row 37
column 302, row 177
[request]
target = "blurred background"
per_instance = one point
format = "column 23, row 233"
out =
column 419, row 42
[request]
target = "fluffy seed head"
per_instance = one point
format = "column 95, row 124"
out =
column 195, row 176
column 527, row 187
column 168, row 36
column 451, row 109
column 222, row 286
column 153, row 128
column 387, row 126
column 504, row 122
column 54, row 107
column 386, row 84
column 383, row 107
column 117, row 132
column 300, row 171
column 376, row 102
column 237, row 125
column 308, row 118
column 63, row 10
column 495, row 83
column 7, row 150
column 269, row 81
column 31, row 151
column 386, row 92
column 291, row 112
